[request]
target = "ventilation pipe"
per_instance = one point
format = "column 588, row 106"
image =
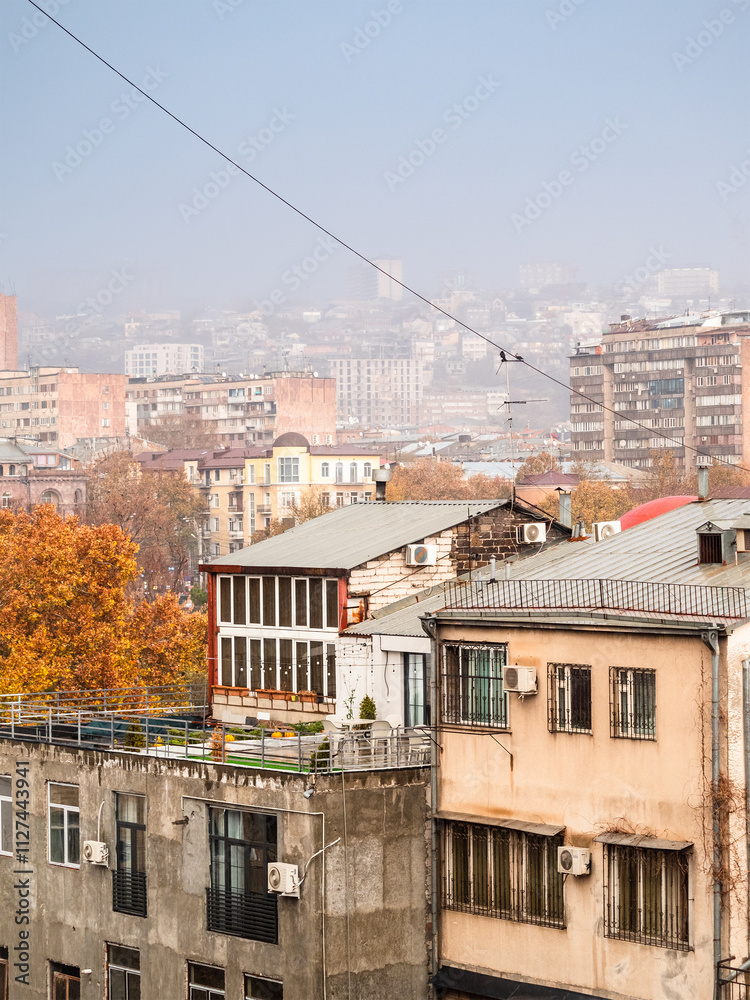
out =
column 711, row 639
column 381, row 477
column 703, row 462
column 565, row 515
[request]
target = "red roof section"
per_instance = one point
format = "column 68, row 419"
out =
column 647, row 511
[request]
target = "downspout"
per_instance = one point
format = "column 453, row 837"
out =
column 746, row 732
column 430, row 627
column 711, row 639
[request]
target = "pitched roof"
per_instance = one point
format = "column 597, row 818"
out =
column 351, row 536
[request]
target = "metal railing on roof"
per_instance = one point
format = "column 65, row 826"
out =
column 188, row 698
column 615, row 596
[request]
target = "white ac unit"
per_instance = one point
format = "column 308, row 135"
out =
column 421, row 555
column 574, row 860
column 522, row 680
column 283, row 879
column 95, row 852
column 532, row 533
column 603, row 529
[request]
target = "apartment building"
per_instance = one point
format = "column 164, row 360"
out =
column 30, row 475
column 583, row 724
column 680, row 377
column 8, row 332
column 59, row 406
column 376, row 392
column 191, row 867
column 238, row 411
column 248, row 488
column 152, row 360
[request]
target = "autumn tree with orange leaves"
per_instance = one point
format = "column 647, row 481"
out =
column 66, row 621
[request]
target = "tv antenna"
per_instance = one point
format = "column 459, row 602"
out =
column 504, row 359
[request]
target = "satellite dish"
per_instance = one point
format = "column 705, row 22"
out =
column 315, row 374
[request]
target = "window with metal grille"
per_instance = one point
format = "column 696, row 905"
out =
column 569, row 698
column 205, row 982
column 129, row 893
column 123, row 973
column 709, row 549
column 632, row 709
column 260, row 988
column 472, row 679
column 502, row 873
column 646, row 896
column 241, row 845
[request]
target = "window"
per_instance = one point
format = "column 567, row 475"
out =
column 52, row 497
column 66, row 982
column 473, row 686
column 123, row 973
column 267, row 473
column 417, row 706
column 129, row 879
column 367, row 470
column 352, row 472
column 64, row 832
column 258, row 988
column 3, row 973
column 6, row 500
column 633, row 703
column 646, row 895
column 241, row 846
column 6, row 821
column 325, row 470
column 339, row 472
column 501, row 872
column 205, row 982
column 289, row 470
column 709, row 548
column 569, row 698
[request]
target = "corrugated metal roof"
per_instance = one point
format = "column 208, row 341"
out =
column 351, row 536
column 663, row 550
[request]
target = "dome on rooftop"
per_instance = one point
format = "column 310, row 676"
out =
column 291, row 440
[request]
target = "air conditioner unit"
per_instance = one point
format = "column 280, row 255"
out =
column 283, row 879
column 421, row 555
column 574, row 860
column 533, row 533
column 603, row 529
column 95, row 852
column 522, row 680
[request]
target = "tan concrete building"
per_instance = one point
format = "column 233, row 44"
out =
column 60, row 406
column 8, row 332
column 680, row 379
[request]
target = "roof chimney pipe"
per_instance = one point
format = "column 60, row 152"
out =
column 565, row 515
column 381, row 477
column 703, row 462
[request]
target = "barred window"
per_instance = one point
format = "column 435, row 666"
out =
column 646, row 896
column 569, row 697
column 502, row 873
column 632, row 703
column 473, row 685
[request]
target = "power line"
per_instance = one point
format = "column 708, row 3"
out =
column 505, row 353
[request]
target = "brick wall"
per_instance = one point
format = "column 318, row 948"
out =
column 493, row 534
column 388, row 578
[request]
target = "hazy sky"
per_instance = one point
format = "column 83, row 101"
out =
column 592, row 132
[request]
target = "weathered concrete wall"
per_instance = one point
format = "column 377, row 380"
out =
column 376, row 891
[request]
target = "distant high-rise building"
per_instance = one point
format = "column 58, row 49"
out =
column 367, row 283
column 8, row 333
column 152, row 360
column 687, row 282
column 377, row 392
column 536, row 276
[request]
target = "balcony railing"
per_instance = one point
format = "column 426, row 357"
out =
column 129, row 892
column 250, row 915
column 609, row 596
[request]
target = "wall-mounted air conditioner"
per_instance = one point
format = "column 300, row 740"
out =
column 95, row 852
column 604, row 529
column 521, row 680
column 421, row 555
column 283, row 879
column 574, row 860
column 533, row 533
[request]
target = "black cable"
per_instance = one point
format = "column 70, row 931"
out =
column 505, row 353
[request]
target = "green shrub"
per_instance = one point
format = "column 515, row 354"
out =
column 320, row 759
column 134, row 737
column 367, row 709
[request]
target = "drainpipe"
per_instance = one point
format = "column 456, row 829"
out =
column 711, row 639
column 746, row 731
column 430, row 627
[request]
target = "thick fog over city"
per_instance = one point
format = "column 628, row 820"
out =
column 537, row 168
